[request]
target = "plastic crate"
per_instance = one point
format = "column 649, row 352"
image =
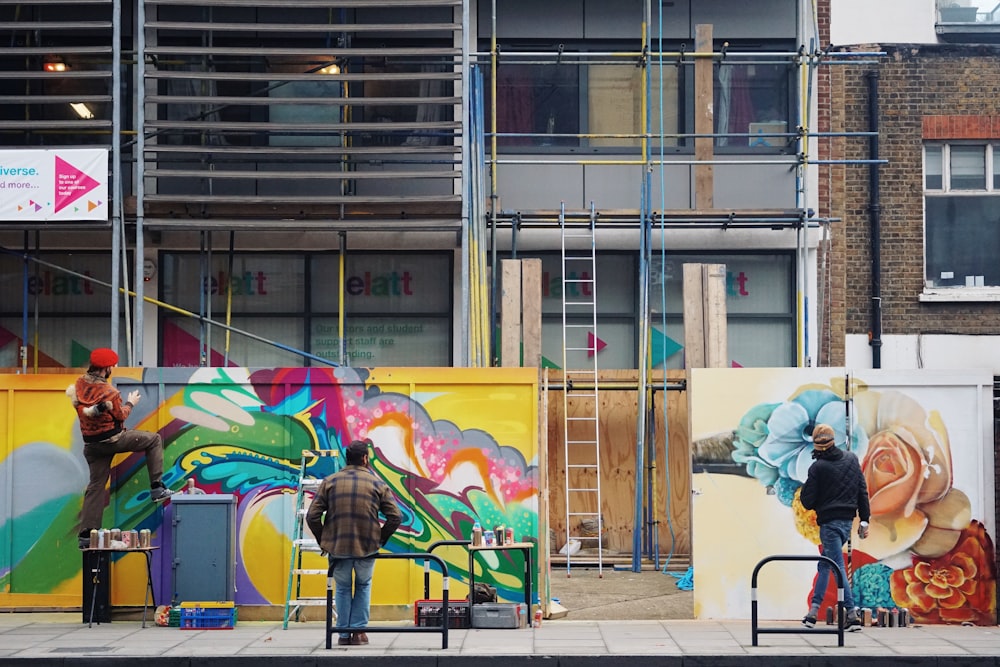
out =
column 207, row 616
column 494, row 615
column 427, row 613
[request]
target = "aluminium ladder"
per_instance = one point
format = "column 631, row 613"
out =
column 581, row 429
column 314, row 465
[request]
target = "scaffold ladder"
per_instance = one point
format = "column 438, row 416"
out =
column 314, row 465
column 581, row 427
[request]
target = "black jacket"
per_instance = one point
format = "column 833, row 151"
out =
column 835, row 487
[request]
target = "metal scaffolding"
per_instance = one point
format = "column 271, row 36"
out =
column 651, row 137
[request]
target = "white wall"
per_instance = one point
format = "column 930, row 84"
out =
column 882, row 22
column 936, row 351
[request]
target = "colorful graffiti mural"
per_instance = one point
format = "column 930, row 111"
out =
column 923, row 441
column 455, row 445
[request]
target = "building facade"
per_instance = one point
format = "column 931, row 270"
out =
column 333, row 183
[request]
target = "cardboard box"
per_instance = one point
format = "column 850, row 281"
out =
column 495, row 615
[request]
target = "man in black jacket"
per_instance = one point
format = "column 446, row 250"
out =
column 836, row 489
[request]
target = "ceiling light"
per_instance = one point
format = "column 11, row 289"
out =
column 54, row 66
column 82, row 110
column 332, row 68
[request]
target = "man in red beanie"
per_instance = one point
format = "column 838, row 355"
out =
column 102, row 423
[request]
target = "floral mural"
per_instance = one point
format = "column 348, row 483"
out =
column 455, row 445
column 928, row 550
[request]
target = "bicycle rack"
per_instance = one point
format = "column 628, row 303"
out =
column 427, row 564
column 839, row 631
column 331, row 629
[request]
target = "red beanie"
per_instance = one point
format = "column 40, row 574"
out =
column 103, row 357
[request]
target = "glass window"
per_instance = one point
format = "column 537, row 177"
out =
column 933, row 179
column 751, row 104
column 961, row 230
column 759, row 308
column 968, row 167
column 536, row 102
column 399, row 309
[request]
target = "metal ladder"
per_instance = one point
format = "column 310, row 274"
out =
column 314, row 465
column 581, row 430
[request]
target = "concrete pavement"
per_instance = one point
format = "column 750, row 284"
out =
column 50, row 639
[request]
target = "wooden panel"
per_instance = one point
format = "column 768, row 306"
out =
column 531, row 312
column 713, row 281
column 510, row 313
column 704, row 181
column 672, row 476
column 694, row 317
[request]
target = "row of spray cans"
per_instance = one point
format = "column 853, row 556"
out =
column 115, row 538
column 499, row 536
column 882, row 617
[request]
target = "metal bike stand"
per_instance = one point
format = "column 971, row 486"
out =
column 839, row 631
column 443, row 629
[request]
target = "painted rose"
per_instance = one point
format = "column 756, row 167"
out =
column 959, row 587
column 909, row 474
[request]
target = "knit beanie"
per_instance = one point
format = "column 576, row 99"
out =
column 822, row 437
column 103, row 357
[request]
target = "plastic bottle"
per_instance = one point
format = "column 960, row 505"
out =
column 538, row 617
column 477, row 534
column 522, row 615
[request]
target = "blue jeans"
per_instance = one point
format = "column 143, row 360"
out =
column 832, row 537
column 352, row 607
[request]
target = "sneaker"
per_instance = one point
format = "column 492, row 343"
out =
column 159, row 494
column 853, row 623
column 809, row 621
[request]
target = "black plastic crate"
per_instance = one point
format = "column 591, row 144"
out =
column 428, row 613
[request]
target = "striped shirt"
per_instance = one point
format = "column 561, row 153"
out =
column 344, row 513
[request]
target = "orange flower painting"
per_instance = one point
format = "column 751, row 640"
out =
column 959, row 587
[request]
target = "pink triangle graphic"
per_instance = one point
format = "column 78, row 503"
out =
column 71, row 184
column 594, row 344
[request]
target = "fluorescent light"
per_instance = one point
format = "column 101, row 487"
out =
column 82, row 110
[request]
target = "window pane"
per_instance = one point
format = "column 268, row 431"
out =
column 932, row 168
column 968, row 167
column 538, row 100
column 63, row 342
column 259, row 283
column 961, row 238
column 385, row 341
column 181, row 342
column 996, row 166
column 751, row 100
column 614, row 103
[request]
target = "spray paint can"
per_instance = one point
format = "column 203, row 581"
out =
column 538, row 616
column 510, row 536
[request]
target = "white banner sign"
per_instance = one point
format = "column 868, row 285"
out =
column 54, row 185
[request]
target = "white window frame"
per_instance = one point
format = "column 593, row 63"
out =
column 957, row 293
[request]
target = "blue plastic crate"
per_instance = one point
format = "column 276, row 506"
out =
column 207, row 616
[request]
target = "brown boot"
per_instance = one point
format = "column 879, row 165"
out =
column 359, row 638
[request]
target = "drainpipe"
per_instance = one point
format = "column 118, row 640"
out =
column 875, row 216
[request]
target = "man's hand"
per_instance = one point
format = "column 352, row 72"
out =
column 134, row 397
column 863, row 529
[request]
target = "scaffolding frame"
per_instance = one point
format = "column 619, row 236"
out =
column 806, row 60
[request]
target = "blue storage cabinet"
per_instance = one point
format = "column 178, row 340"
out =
column 203, row 547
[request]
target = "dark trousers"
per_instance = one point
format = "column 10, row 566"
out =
column 99, row 456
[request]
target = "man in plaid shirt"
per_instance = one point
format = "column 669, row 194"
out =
column 350, row 534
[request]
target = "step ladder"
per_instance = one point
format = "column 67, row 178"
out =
column 581, row 429
column 314, row 466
